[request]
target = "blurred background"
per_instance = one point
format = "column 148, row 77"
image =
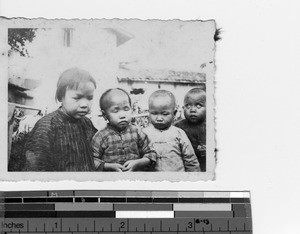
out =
column 135, row 55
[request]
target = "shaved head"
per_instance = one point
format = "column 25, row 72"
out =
column 163, row 96
column 196, row 92
column 162, row 109
column 104, row 101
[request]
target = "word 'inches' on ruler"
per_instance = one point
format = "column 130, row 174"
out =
column 125, row 212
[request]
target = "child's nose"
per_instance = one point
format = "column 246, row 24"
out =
column 122, row 115
column 159, row 118
column 84, row 103
column 193, row 108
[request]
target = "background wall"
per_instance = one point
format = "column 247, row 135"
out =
column 257, row 97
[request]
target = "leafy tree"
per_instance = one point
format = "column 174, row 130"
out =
column 17, row 37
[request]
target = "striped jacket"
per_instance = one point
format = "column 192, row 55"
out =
column 59, row 142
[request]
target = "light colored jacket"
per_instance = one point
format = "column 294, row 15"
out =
column 174, row 150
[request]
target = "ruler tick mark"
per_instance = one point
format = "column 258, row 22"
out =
column 36, row 224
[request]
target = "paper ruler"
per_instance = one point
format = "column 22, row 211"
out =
column 127, row 212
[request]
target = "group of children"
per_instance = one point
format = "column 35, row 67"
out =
column 66, row 140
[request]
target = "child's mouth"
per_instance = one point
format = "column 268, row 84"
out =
column 160, row 126
column 82, row 113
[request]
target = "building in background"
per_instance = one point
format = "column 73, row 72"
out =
column 32, row 79
column 143, row 82
column 138, row 56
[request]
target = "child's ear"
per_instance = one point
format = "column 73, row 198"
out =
column 104, row 115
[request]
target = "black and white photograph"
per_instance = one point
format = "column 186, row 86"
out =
column 129, row 96
column 241, row 58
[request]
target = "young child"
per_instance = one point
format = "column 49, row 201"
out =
column 194, row 123
column 61, row 140
column 120, row 146
column 175, row 152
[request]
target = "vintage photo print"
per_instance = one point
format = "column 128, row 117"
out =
column 107, row 100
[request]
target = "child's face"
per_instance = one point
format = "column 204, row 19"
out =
column 194, row 108
column 118, row 110
column 161, row 112
column 77, row 102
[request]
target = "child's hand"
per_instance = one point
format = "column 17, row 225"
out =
column 131, row 165
column 134, row 165
column 201, row 147
column 113, row 167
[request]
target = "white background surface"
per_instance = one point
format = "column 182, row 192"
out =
column 257, row 97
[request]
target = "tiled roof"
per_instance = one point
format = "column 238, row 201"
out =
column 161, row 76
column 23, row 84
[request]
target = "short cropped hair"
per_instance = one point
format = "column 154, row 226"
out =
column 196, row 91
column 71, row 78
column 102, row 98
column 162, row 93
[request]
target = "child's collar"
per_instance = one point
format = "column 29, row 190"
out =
column 196, row 124
column 66, row 116
column 115, row 129
column 162, row 130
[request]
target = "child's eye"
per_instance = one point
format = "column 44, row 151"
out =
column 198, row 106
column 166, row 113
column 90, row 98
column 127, row 108
column 187, row 106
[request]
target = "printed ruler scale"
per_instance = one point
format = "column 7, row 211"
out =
column 116, row 212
